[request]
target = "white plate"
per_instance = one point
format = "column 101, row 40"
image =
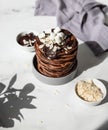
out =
column 49, row 80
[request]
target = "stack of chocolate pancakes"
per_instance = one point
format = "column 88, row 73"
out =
column 56, row 52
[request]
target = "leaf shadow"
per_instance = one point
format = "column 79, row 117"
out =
column 12, row 101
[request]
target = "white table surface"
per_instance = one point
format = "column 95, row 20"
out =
column 56, row 106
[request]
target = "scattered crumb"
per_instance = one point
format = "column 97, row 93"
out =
column 26, row 66
column 57, row 92
column 67, row 106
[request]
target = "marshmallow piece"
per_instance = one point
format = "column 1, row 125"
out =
column 58, row 39
column 41, row 35
column 52, row 36
column 69, row 47
column 55, row 49
column 30, row 43
column 51, row 46
column 56, row 30
column 61, row 34
column 42, row 40
column 41, row 46
column 47, row 45
column 62, row 43
column 25, row 42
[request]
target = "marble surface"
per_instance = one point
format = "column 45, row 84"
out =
column 28, row 104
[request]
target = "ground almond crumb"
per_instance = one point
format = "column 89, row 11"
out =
column 88, row 91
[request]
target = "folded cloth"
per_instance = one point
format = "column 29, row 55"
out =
column 84, row 18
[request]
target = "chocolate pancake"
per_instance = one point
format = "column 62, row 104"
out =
column 56, row 52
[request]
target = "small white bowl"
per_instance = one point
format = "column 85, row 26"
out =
column 26, row 48
column 51, row 80
column 100, row 85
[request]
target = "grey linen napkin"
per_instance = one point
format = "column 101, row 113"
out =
column 84, row 18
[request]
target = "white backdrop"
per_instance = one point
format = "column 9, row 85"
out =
column 57, row 108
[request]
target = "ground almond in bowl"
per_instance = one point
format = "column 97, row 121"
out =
column 88, row 91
